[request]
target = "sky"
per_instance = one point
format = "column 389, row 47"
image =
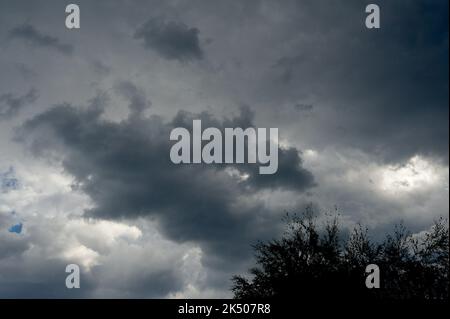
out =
column 86, row 114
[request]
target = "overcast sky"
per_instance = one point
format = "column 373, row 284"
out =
column 85, row 119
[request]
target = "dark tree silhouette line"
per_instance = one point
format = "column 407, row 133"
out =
column 315, row 263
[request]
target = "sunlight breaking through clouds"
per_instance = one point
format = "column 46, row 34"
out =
column 417, row 174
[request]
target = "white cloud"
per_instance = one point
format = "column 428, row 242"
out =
column 417, row 174
column 379, row 194
column 114, row 256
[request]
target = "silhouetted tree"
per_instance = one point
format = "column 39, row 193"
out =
column 310, row 262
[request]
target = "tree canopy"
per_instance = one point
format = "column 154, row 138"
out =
column 313, row 261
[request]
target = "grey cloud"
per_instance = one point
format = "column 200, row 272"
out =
column 172, row 40
column 11, row 104
column 25, row 275
column 285, row 64
column 380, row 93
column 150, row 285
column 136, row 96
column 34, row 37
column 10, row 245
column 126, row 170
column 25, row 71
column 303, row 107
column 33, row 263
column 8, row 181
column 290, row 174
column 385, row 91
column 101, row 68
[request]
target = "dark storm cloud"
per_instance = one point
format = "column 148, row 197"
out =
column 290, row 174
column 309, row 67
column 126, row 170
column 11, row 104
column 386, row 90
column 34, row 37
column 172, row 40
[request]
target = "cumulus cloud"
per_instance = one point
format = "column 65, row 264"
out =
column 126, row 170
column 172, row 40
column 117, row 258
column 379, row 195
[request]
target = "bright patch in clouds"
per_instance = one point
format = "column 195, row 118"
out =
column 83, row 255
column 417, row 174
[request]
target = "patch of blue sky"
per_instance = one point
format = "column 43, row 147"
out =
column 17, row 228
